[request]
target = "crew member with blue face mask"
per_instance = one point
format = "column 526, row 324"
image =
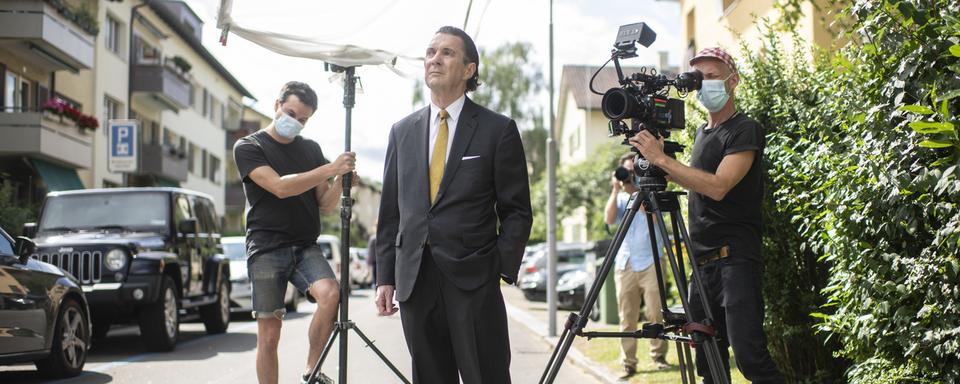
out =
column 725, row 181
column 288, row 182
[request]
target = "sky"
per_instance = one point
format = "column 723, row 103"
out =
column 584, row 32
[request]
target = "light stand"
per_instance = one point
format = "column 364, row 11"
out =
column 346, row 203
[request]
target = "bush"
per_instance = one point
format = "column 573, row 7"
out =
column 862, row 218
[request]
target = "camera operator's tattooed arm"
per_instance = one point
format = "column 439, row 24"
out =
column 732, row 168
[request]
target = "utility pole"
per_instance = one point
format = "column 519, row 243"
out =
column 551, row 204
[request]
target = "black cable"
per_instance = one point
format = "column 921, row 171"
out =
column 592, row 78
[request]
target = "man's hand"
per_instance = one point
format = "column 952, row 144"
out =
column 345, row 163
column 650, row 147
column 385, row 306
column 614, row 182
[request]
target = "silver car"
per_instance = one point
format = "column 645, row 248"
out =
column 241, row 292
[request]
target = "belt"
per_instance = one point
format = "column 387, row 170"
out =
column 721, row 253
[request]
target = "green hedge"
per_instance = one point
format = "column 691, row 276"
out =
column 862, row 222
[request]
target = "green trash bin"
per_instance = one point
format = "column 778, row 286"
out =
column 607, row 300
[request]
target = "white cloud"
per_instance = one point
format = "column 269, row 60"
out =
column 583, row 34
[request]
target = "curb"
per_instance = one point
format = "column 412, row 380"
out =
column 573, row 355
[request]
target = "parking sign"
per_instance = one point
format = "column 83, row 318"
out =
column 123, row 156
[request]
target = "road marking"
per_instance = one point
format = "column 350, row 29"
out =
column 102, row 368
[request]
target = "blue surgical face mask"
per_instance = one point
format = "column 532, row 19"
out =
column 713, row 94
column 287, row 126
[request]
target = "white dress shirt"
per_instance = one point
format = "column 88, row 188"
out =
column 453, row 115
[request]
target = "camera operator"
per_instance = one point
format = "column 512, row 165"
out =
column 726, row 191
column 636, row 278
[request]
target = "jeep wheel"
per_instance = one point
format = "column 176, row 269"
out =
column 71, row 336
column 160, row 321
column 216, row 316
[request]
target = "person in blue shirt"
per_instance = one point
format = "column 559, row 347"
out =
column 636, row 277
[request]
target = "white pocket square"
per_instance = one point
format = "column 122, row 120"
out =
column 469, row 157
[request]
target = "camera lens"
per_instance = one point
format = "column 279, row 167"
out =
column 618, row 104
column 621, row 173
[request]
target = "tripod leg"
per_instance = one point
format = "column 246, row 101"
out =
column 681, row 363
column 315, row 372
column 576, row 322
column 380, row 355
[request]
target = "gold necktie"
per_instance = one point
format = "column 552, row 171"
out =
column 439, row 157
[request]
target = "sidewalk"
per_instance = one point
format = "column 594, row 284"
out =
column 533, row 315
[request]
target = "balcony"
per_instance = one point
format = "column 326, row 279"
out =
column 161, row 84
column 35, row 31
column 40, row 134
column 159, row 160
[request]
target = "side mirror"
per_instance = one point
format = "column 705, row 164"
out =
column 186, row 226
column 30, row 230
column 24, row 247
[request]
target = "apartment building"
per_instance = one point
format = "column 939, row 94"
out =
column 85, row 62
column 45, row 45
column 728, row 23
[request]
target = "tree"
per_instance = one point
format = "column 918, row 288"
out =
column 511, row 84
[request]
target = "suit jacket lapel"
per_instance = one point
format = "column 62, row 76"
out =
column 466, row 126
column 421, row 143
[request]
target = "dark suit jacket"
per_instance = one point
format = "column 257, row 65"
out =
column 484, row 184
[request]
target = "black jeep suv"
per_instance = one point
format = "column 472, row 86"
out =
column 144, row 254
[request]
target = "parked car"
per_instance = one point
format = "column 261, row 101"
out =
column 330, row 246
column 241, row 290
column 360, row 273
column 44, row 317
column 533, row 276
column 148, row 255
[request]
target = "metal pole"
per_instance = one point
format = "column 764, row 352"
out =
column 346, row 212
column 551, row 205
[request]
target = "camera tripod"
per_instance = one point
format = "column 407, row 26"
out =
column 676, row 325
column 346, row 203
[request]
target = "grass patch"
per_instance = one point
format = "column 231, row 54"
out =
column 607, row 353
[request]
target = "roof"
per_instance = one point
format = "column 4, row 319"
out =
column 576, row 79
column 174, row 23
column 127, row 190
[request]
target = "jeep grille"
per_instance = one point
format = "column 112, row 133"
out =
column 84, row 265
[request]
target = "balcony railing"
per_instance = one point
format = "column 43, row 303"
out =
column 44, row 37
column 162, row 84
column 31, row 132
column 165, row 161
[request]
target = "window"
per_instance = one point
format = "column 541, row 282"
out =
column 113, row 32
column 213, row 108
column 6, row 247
column 147, row 53
column 192, row 158
column 111, row 110
column 203, row 163
column 214, row 169
column 205, row 100
column 19, row 93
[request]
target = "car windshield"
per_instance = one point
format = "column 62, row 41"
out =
column 235, row 251
column 146, row 211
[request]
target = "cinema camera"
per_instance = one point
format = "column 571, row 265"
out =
column 643, row 99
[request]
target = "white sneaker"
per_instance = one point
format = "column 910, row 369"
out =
column 324, row 379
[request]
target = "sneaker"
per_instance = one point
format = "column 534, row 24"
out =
column 324, row 379
column 628, row 372
column 660, row 363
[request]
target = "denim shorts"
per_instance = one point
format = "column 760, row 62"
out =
column 270, row 271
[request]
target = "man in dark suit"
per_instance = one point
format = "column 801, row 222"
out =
column 454, row 170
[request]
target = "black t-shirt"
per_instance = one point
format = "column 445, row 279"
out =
column 273, row 222
column 735, row 220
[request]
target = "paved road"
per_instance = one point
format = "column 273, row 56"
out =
column 229, row 357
